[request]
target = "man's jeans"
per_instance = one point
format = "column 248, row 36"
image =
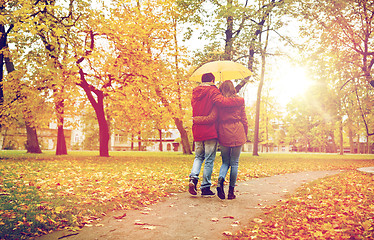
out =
column 230, row 158
column 204, row 150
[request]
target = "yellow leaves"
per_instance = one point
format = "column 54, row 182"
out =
column 59, row 209
column 317, row 234
column 75, row 191
column 258, row 220
column 3, row 20
column 367, row 225
column 312, row 213
column 58, row 32
column 149, row 227
column 40, row 218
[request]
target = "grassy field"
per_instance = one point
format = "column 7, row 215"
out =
column 40, row 193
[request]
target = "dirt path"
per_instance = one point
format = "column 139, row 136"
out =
column 183, row 216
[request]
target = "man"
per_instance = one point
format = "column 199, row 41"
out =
column 205, row 135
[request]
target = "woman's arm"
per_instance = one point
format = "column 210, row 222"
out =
column 211, row 118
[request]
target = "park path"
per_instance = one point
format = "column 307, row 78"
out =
column 184, row 217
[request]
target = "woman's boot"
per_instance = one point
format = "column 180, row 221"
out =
column 192, row 186
column 220, row 191
column 231, row 194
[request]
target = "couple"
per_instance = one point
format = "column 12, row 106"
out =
column 218, row 116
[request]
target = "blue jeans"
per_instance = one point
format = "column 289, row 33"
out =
column 230, row 158
column 205, row 150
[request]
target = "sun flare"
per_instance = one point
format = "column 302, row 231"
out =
column 289, row 82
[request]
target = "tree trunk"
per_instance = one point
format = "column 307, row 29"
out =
column 334, row 148
column 229, row 33
column 103, row 131
column 184, row 136
column 98, row 106
column 257, row 33
column 2, row 46
column 367, row 145
column 259, row 90
column 350, row 136
column 132, row 142
column 178, row 122
column 139, row 142
column 341, row 137
column 160, row 134
column 32, row 143
column 61, row 142
column 257, row 119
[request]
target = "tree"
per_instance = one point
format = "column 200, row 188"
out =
column 347, row 27
column 258, row 101
column 270, row 126
column 341, row 38
column 32, row 145
column 244, row 26
column 48, row 21
column 238, row 24
column 127, row 60
column 53, row 24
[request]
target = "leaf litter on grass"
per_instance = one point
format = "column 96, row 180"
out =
column 336, row 207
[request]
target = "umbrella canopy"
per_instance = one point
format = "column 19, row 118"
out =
column 222, row 70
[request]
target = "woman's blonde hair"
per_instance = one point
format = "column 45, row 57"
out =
column 227, row 89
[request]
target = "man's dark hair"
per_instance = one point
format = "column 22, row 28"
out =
column 207, row 77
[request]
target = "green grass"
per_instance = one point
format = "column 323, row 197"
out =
column 43, row 192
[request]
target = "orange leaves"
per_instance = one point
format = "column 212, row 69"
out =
column 337, row 207
column 73, row 192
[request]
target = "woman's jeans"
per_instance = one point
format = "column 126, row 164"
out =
column 230, row 158
column 205, row 150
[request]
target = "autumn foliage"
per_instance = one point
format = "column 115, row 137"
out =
column 43, row 193
column 337, row 207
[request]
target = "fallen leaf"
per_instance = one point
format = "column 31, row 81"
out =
column 318, row 234
column 149, row 227
column 227, row 233
column 120, row 217
column 139, row 222
column 258, row 220
column 214, row 219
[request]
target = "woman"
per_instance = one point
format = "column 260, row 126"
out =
column 232, row 134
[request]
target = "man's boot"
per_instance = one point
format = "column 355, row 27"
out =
column 231, row 194
column 220, row 190
column 207, row 192
column 192, row 186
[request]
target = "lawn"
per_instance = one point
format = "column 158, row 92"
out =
column 40, row 193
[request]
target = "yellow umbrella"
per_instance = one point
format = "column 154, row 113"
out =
column 222, row 70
